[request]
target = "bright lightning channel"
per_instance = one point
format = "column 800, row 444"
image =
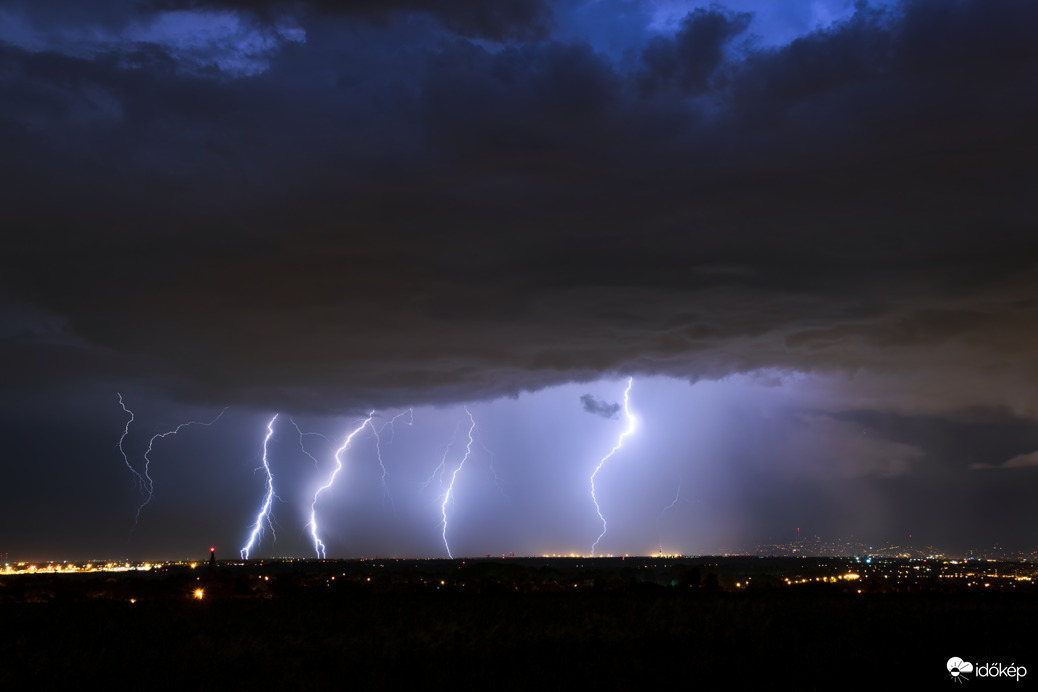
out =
column 450, row 488
column 264, row 513
column 150, row 484
column 318, row 544
column 631, row 424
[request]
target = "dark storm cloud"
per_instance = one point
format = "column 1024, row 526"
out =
column 503, row 20
column 970, row 438
column 384, row 214
column 1018, row 462
column 692, row 56
column 498, row 21
column 599, row 407
column 1022, row 461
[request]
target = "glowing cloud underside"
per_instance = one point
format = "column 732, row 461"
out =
column 264, row 513
column 631, row 423
column 318, row 544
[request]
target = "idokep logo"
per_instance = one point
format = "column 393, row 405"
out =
column 958, row 668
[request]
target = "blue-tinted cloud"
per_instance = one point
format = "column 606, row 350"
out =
column 599, row 407
column 218, row 43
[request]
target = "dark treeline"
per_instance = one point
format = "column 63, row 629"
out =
column 469, row 627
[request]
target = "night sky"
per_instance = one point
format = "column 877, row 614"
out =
column 805, row 230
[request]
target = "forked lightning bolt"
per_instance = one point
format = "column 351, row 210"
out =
column 264, row 513
column 450, row 488
column 442, row 466
column 318, row 544
column 147, row 483
column 138, row 479
column 631, row 423
column 302, row 447
column 378, row 444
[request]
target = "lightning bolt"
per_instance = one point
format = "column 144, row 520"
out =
column 450, row 488
column 264, row 513
column 149, row 486
column 659, row 522
column 318, row 544
column 442, row 466
column 378, row 445
column 303, row 448
column 138, row 479
column 631, row 424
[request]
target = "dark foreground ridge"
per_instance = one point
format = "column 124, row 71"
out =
column 510, row 623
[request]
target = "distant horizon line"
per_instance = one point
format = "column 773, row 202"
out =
column 135, row 564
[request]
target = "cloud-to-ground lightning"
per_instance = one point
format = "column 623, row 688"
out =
column 264, row 513
column 138, row 479
column 631, row 423
column 378, row 446
column 450, row 487
column 318, row 544
column 149, row 483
